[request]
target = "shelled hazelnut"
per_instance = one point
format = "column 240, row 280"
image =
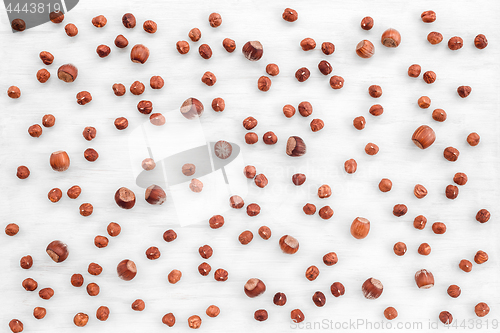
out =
column 455, row 43
column 14, row 92
column 39, row 312
column 11, row 229
column 77, row 280
column 102, row 313
column 302, row 74
column 121, row 42
column 424, row 137
column 205, row 51
column 451, row 192
column 265, row 232
column 390, row 313
column 194, row 34
column 153, row 253
column 312, row 273
column 94, row 269
column 289, row 244
column 419, row 191
column 81, row 319
column 150, row 26
column 451, row 154
column 359, row 123
column 221, row 275
column 260, row 315
column 288, row 111
column 26, row 262
column 148, row 164
column 57, row 251
column 182, row 47
column 48, row 120
column 414, row 70
column 481, row 309
column 157, row 119
column 205, row 251
column 91, row 155
column 376, row 110
column 129, row 21
column 445, row 317
column 481, row 257
column 46, row 57
column 309, row 209
column 194, row 322
column 424, row 279
column 43, row 75
column 139, row 54
column 126, row 270
column 360, row 228
column 419, row 222
column 55, row 195
column 29, row 284
column 367, row 23
column 204, row 269
column 264, row 83
column 119, row 89
column 71, row 30
column 324, row 191
column 337, row 289
column 385, row 185
column 174, row 276
column 439, row 228
column 319, row 299
column 429, row 77
column 350, row 166
column 99, row 21
column 250, row 123
column 188, row 169
column 83, row 97
column 169, row 236
column 424, row 102
column 480, row 41
column 269, row 138
column 305, row 109
column 93, row 289
column 253, row 50
column 245, row 237
column 439, row 115
column 399, row 248
column 464, row 91
column 145, row 107
column 279, row 299
column 251, row 138
column 209, row 78
column 391, row 38
column 372, row 288
column 89, row 133
column 86, row 209
column 473, row 139
column 67, row 73
column 168, row 319
column 113, row 229
column 399, row 210
column 215, row 20
column 465, row 265
column 272, row 69
column 212, row 311
column 290, row 15
column 253, row 210
column 327, row 48
column 365, row 49
column 35, row 131
column 218, row 104
column 23, row 172
column 298, row 179
column 460, row 178
column 371, row 149
column 454, row 291
column 229, row 45
column 375, row 91
column 428, row 16
column 103, row 51
column 138, row 305
column 424, row 249
column 216, row 221
column 336, row 82
column 101, row 241
column 434, row 37
column 308, row 44
column 297, row 316
column 324, row 67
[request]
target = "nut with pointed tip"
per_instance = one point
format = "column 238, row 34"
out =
column 454, row 291
column 139, row 54
column 59, row 161
column 57, row 251
column 359, row 123
column 445, row 317
column 192, row 108
column 424, row 279
column 254, row 287
column 298, row 179
column 67, row 73
column 155, row 195
column 125, row 198
column 365, row 49
column 424, row 137
column 372, row 288
column 464, row 91
column 253, row 50
column 126, row 270
column 26, row 262
column 289, row 244
column 391, row 38
column 121, row 42
column 295, row 146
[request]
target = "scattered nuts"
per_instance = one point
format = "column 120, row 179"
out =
column 121, row 42
column 11, row 229
column 126, row 270
column 194, row 322
column 168, row 319
column 209, row 79
column 67, row 73
column 81, row 319
column 297, row 316
column 360, row 228
column 434, row 37
column 169, row 236
column 423, row 137
column 128, row 20
column 473, row 139
column 376, row 110
column 279, row 299
column 46, row 57
column 330, row 259
column 125, row 198
column 445, row 317
column 419, row 222
column 319, row 299
column 138, row 305
column 372, row 288
column 391, row 38
column 188, row 169
column 216, row 221
column 174, row 276
column 265, row 232
column 102, row 313
column 194, row 34
column 264, row 83
column 139, row 54
column 212, row 311
column 39, row 312
column 93, row 289
column 439, row 228
column 43, row 75
column 57, row 251
column 55, row 195
column 205, row 51
column 428, row 16
column 289, row 244
column 429, row 77
column 29, row 284
column 14, row 92
column 103, row 51
column 481, row 257
column 439, row 115
column 481, row 309
column 464, row 91
column 205, row 251
column 385, row 185
column 350, row 166
column 101, row 241
column 465, row 265
column 324, row 67
column 182, row 47
column 114, row 229
column 414, row 70
column 399, row 210
column 245, row 237
column 324, row 191
column 420, row 191
column 251, row 138
column 326, row 213
column 218, row 104
column 71, row 30
column 390, row 313
column 371, row 149
column 89, row 133
column 254, row 287
column 454, row 291
column 229, row 45
column 253, row 50
column 451, row 192
column 290, row 15
column 270, row 138
column 220, row 275
column 295, row 146
column 298, row 179
column 424, row 279
column 90, row 155
column 153, row 253
column 312, row 273
column 424, row 102
column 148, row 164
column 302, row 74
column 327, row 48
column 480, row 41
column 308, row 44
column 288, row 111
column 155, row 195
column 424, row 249
column 77, row 280
column 250, row 123
column 26, row 262
column 455, row 43
column 272, row 69
column 99, row 21
column 35, row 131
column 399, row 248
column 204, row 269
column 150, row 26
column 365, row 49
column 359, row 123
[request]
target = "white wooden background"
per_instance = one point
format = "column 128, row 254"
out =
column 26, row 203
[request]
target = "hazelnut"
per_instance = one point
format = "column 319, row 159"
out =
column 71, row 30
column 324, row 67
column 289, row 244
column 309, row 209
column 250, row 123
column 57, row 251
column 35, row 131
column 156, row 82
column 245, row 237
column 429, row 77
column 481, row 257
column 399, row 249
column 155, row 195
column 14, row 92
column 254, row 287
column 114, row 229
column 480, row 41
column 464, row 91
column 89, row 133
column 365, row 49
column 264, row 83
column 327, row 48
column 288, row 111
column 424, row 249
column 253, row 50
column 43, row 75
column 253, row 210
column 169, row 236
column 125, row 198
column 391, row 38
column 390, row 313
column 399, row 210
column 81, row 319
column 29, row 284
column 439, row 228
column 101, row 241
column 439, row 115
column 385, row 185
column 423, row 137
column 455, row 43
column 330, row 259
column 414, row 70
column 337, row 289
column 359, row 123
column 218, row 104
column 305, row 109
column 272, row 69
column 460, row 178
column 216, row 221
column 229, row 45
column 279, row 299
column 215, row 20
column 297, row 316
column 298, row 179
column 77, row 280
column 168, row 319
column 419, row 222
column 11, row 229
column 194, row 322
column 26, row 262
column 473, row 139
column 103, row 51
column 312, row 273
column 454, row 291
column 148, row 164
column 265, row 232
column 350, row 166
column 481, row 309
column 261, row 315
column 204, row 269
column 371, row 149
column 55, row 195
column 119, row 89
column 465, row 265
column 424, row 279
column 145, row 107
column 99, row 21
column 67, row 73
column 209, row 79
column 102, row 313
column 375, row 91
column 139, row 54
column 420, row 191
column 372, row 288
column 424, row 102
column 192, row 108
column 445, row 317
column 126, row 270
column 90, row 155
column 367, row 23
column 83, row 97
column 188, row 169
column 223, row 149
column 319, row 299
column 86, row 209
column 326, row 213
column 434, row 37
column 205, row 51
column 220, row 275
column 194, row 34
column 46, row 293
column 157, row 119
column 308, row 44
column 174, row 276
column 324, row 191
column 153, row 253
column 48, row 120
column 212, row 311
column 428, row 16
column 150, row 26
column 93, row 289
column 451, row 192
column 138, row 305
column 128, row 20
column 451, row 154
column 295, row 146
column 302, row 74
column 270, row 138
column 23, row 172
column 121, row 42
column 290, row 15
column 46, row 57
column 376, row 110
column 205, row 251
column 360, row 227
column 251, row 138
column 182, row 47
column 39, row 312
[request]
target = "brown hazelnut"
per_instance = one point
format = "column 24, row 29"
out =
column 29, row 284
column 371, row 149
column 264, row 232
column 93, row 289
column 465, row 265
column 216, row 221
column 77, row 280
column 121, row 42
column 220, row 275
column 101, row 241
column 481, row 257
column 376, row 110
column 324, row 191
column 372, row 288
column 194, row 34
column 215, row 20
column 139, row 54
column 155, row 195
column 264, row 83
column 205, row 251
column 150, row 26
column 126, row 270
column 188, row 169
column 390, row 313
column 204, row 269
column 168, row 319
column 429, row 77
column 439, row 228
column 297, row 316
column 250, row 123
column 39, row 312
column 138, row 305
column 71, row 30
column 46, row 57
column 253, row 50
column 157, row 119
column 391, row 38
column 289, row 244
column 102, row 313
column 424, row 102
column 428, row 16
column 43, row 75
column 399, row 210
column 218, row 104
column 194, row 322
column 464, row 91
column 319, row 299
column 375, row 91
column 245, row 237
column 209, row 79
column 114, row 229
column 205, row 51
column 229, row 45
column 128, row 20
column 270, row 138
column 295, row 146
column 360, row 228
column 455, row 43
column 327, row 48
column 156, row 82
column 309, row 209
column 359, row 123
column 350, row 166
column 424, row 249
column 94, row 269
column 86, row 209
column 89, row 133
column 365, row 49
column 399, row 249
column 272, row 69
column 419, row 191
column 451, row 192
column 439, row 115
column 367, row 23
column 251, row 138
column 99, row 21
column 148, row 164
column 174, row 276
column 385, row 185
column 261, row 180
column 312, row 273
column 153, row 253
column 279, row 299
column 419, row 222
column 253, row 210
column 261, row 315
column 254, row 287
column 67, row 73
column 445, row 317
column 182, row 47
column 55, row 195
column 481, row 309
column 423, row 137
column 308, row 44
column 290, row 15
column 324, row 67
column 119, row 89
column 14, row 92
column 454, row 291
column 288, row 111
column 451, row 154
column 434, row 37
column 125, row 198
column 212, row 311
column 480, row 41
column 298, row 179
column 330, row 259
column 192, row 108
column 26, row 262
column 337, row 289
column 302, row 74
column 57, row 251
column 305, row 109
column 145, row 107
column 91, row 155
column 35, row 131
column 23, row 172
column 48, row 120
column 414, row 70
column 169, row 236
column 473, row 139
column 81, row 319
column 83, row 97
column 103, row 51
